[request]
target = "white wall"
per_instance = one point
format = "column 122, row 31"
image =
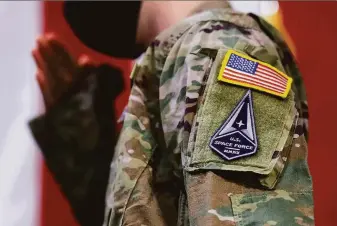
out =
column 20, row 23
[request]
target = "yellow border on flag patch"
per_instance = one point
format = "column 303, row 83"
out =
column 223, row 65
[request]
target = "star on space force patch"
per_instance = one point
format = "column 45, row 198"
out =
column 236, row 137
column 241, row 70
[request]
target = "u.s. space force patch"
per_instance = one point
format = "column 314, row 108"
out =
column 236, row 137
column 242, row 70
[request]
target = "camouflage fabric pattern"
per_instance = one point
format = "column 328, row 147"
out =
column 149, row 183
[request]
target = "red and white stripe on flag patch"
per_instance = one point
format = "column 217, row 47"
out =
column 243, row 70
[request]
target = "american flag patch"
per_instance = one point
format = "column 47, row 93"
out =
column 242, row 70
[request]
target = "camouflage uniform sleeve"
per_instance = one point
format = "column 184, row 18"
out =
column 164, row 172
column 139, row 187
column 219, row 194
column 76, row 138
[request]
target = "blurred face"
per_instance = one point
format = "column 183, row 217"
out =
column 156, row 16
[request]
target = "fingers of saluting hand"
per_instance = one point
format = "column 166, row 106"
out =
column 38, row 57
column 56, row 67
column 54, row 59
column 48, row 100
column 53, row 71
column 68, row 66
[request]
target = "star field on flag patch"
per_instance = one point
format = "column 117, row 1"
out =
column 236, row 138
column 239, row 69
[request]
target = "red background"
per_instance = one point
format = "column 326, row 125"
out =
column 313, row 28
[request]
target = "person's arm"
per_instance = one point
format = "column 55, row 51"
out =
column 77, row 133
column 68, row 135
column 217, row 192
column 143, row 189
column 273, row 186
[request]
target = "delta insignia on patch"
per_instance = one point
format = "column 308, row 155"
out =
column 236, row 137
column 239, row 69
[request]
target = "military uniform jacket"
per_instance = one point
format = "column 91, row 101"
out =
column 164, row 170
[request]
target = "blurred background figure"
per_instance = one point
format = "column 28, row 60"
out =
column 77, row 134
